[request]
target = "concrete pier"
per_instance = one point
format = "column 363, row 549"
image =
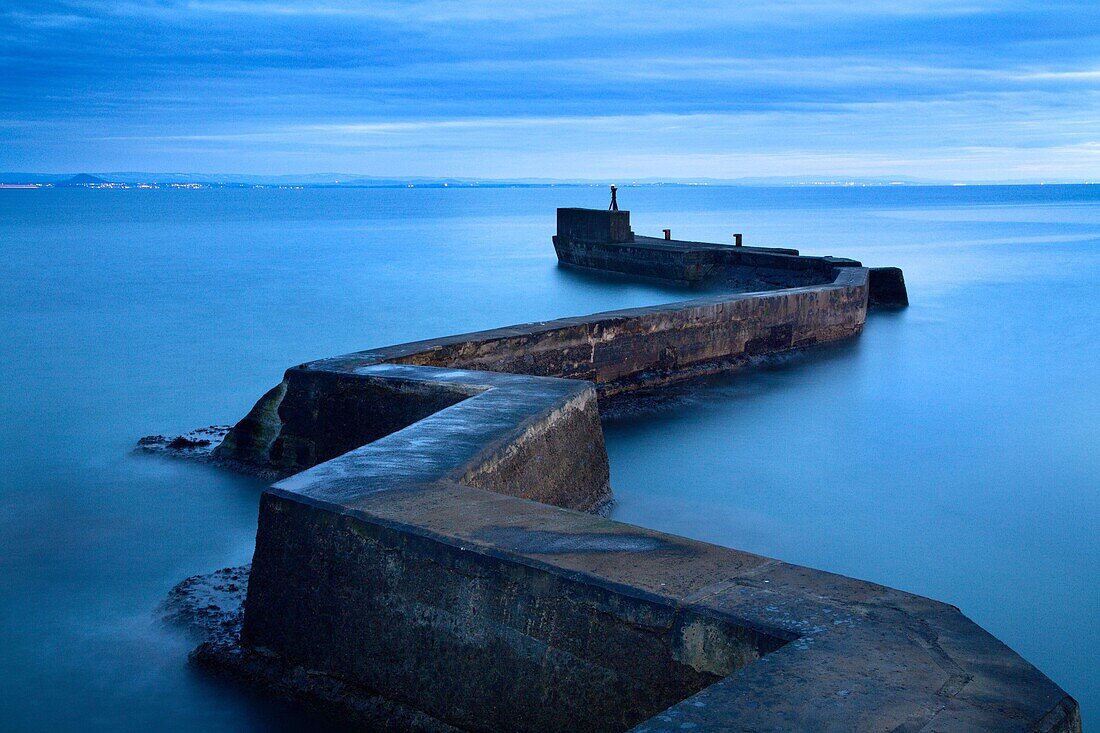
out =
column 432, row 546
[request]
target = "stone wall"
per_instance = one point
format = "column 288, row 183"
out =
column 699, row 263
column 594, row 225
column 317, row 413
column 645, row 347
column 479, row 642
column 434, row 547
column 389, row 570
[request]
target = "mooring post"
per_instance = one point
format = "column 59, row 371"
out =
column 736, row 240
column 668, row 233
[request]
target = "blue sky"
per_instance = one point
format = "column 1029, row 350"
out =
column 480, row 88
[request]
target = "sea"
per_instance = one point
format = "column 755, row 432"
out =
column 952, row 450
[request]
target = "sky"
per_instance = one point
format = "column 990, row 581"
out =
column 554, row 88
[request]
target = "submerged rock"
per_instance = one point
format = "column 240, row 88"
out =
column 209, row 607
column 201, row 445
column 197, row 444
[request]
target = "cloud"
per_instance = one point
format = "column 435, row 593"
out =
column 416, row 84
column 1087, row 75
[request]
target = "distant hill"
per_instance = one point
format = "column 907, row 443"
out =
column 81, row 179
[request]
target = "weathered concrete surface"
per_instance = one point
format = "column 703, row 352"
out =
column 473, row 638
column 583, row 241
column 324, row 408
column 699, row 263
column 594, row 225
column 642, row 348
column 536, row 438
column 432, row 554
column 492, row 613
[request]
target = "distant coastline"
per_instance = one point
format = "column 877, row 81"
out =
column 330, row 180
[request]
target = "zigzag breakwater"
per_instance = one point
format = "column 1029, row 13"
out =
column 431, row 561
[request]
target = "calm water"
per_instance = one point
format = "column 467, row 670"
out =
column 950, row 451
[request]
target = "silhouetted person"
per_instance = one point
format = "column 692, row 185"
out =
column 614, row 204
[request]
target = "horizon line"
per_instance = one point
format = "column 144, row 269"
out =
column 370, row 180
